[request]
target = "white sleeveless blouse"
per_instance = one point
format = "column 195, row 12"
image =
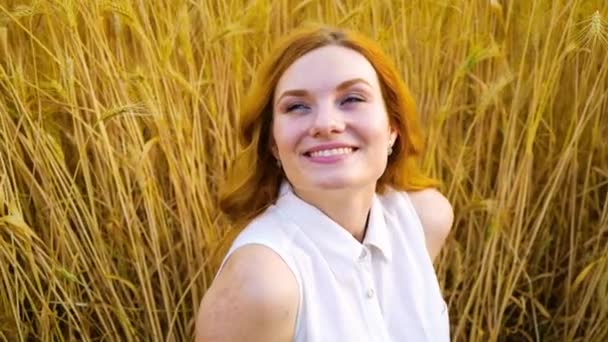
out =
column 384, row 289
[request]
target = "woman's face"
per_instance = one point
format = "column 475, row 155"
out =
column 330, row 126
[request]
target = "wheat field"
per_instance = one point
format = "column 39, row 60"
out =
column 117, row 123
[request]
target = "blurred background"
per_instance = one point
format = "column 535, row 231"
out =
column 117, row 122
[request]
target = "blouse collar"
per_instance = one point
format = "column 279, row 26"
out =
column 333, row 240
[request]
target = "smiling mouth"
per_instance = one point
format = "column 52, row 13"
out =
column 340, row 151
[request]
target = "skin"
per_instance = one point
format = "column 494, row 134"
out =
column 330, row 95
column 254, row 298
column 436, row 215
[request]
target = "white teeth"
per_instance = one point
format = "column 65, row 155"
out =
column 332, row 152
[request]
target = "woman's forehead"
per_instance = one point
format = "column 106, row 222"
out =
column 325, row 69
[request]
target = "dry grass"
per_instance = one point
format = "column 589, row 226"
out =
column 116, row 123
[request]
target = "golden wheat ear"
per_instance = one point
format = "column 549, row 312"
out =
column 117, row 121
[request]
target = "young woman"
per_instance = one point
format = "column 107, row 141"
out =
column 341, row 226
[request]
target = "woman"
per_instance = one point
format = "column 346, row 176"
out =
column 341, row 227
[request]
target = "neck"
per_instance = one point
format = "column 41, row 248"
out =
column 349, row 208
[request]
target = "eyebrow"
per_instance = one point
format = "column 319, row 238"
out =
column 344, row 85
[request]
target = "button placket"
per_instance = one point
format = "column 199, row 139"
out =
column 365, row 264
column 373, row 312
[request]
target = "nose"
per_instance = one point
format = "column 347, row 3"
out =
column 327, row 121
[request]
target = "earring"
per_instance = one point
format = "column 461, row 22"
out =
column 390, row 150
column 279, row 163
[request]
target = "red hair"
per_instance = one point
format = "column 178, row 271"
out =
column 252, row 184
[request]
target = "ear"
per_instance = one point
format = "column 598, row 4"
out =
column 393, row 134
column 273, row 149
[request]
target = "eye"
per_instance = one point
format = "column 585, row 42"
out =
column 352, row 99
column 295, row 106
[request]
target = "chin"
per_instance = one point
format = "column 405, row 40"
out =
column 338, row 183
column 329, row 185
column 338, row 180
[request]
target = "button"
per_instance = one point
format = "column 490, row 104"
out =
column 370, row 293
column 363, row 255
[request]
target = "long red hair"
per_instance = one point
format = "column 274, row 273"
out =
column 253, row 181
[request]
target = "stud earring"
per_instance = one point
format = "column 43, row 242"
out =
column 390, row 150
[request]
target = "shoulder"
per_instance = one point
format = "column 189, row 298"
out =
column 433, row 209
column 254, row 298
column 436, row 215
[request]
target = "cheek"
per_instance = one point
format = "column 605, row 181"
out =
column 375, row 128
column 286, row 135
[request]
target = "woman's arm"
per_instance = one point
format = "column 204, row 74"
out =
column 436, row 214
column 254, row 298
